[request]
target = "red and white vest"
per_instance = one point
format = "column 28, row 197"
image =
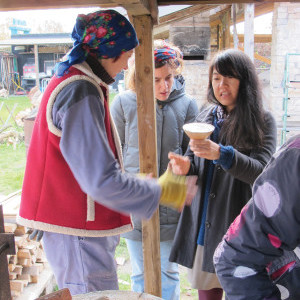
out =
column 52, row 200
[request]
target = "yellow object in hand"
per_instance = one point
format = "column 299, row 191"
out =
column 174, row 190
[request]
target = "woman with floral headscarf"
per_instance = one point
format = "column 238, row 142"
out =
column 174, row 108
column 74, row 189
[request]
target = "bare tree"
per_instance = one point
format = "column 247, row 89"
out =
column 49, row 26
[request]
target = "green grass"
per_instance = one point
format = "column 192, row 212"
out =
column 185, row 287
column 121, row 250
column 12, row 157
column 12, row 165
column 124, row 281
column 112, row 96
column 22, row 103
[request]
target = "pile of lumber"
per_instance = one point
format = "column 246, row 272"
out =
column 26, row 266
column 29, row 261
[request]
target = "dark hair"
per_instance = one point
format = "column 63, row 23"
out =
column 244, row 127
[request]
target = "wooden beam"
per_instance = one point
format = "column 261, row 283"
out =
column 36, row 62
column 193, row 2
column 146, row 112
column 161, row 32
column 258, row 38
column 226, row 29
column 259, row 57
column 216, row 19
column 185, row 13
column 154, row 11
column 260, row 9
column 141, row 7
column 223, row 30
column 8, row 5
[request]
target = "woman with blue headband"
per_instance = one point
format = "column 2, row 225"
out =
column 174, row 108
column 74, row 188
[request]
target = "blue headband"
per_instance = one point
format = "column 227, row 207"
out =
column 105, row 34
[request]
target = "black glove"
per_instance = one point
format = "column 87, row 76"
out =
column 38, row 234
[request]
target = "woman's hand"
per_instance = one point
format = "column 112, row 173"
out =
column 180, row 164
column 205, row 148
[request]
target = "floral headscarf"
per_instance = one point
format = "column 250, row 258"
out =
column 104, row 34
column 166, row 53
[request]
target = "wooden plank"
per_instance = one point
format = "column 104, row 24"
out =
column 141, row 7
column 144, row 75
column 185, row 13
column 260, row 9
column 154, row 11
column 193, row 2
column 259, row 57
column 43, row 282
column 36, row 62
column 8, row 5
column 17, row 285
column 63, row 294
column 10, row 227
column 258, row 38
column 226, row 30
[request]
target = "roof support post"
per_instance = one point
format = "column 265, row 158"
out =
column 249, row 31
column 235, row 35
column 146, row 112
column 36, row 61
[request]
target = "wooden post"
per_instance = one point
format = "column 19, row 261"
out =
column 36, row 61
column 225, row 31
column 7, row 246
column 146, row 112
column 249, row 30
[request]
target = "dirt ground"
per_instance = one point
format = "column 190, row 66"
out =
column 186, row 292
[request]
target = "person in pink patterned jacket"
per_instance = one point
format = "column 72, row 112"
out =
column 259, row 257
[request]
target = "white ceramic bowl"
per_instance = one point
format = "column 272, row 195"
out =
column 198, row 131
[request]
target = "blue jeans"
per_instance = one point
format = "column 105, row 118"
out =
column 82, row 264
column 169, row 271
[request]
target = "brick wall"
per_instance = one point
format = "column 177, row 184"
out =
column 285, row 39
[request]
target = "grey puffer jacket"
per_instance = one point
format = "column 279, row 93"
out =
column 171, row 115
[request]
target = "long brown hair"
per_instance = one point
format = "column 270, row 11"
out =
column 244, row 127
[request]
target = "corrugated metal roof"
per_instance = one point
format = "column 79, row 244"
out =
column 39, row 39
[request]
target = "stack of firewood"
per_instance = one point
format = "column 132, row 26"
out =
column 29, row 261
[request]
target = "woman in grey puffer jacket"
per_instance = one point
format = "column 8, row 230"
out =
column 173, row 109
